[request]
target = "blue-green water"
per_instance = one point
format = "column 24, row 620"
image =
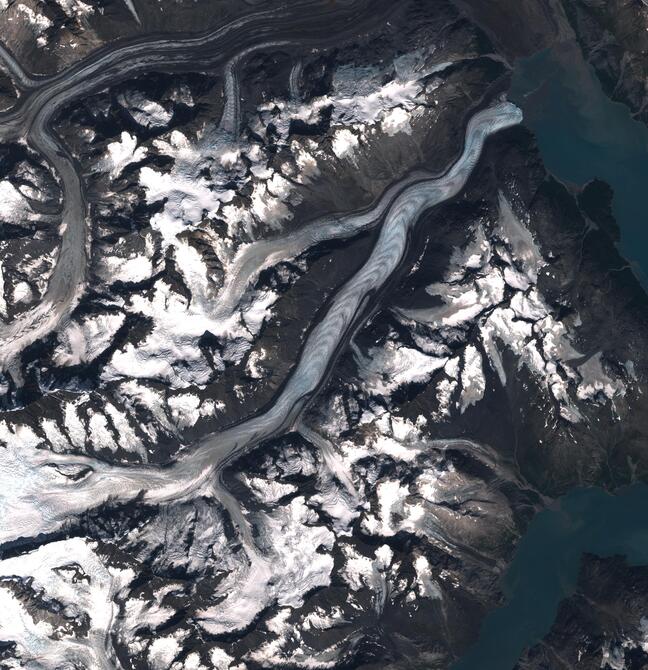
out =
column 545, row 567
column 582, row 135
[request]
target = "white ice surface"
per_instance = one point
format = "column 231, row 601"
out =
column 51, row 571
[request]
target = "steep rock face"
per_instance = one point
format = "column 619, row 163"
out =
column 518, row 29
column 338, row 335
column 180, row 206
column 603, row 625
column 7, row 92
column 49, row 35
column 502, row 312
column 614, row 39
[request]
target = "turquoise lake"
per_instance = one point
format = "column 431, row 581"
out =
column 582, row 135
column 545, row 567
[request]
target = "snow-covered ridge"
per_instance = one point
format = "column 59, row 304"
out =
column 284, row 553
column 206, row 180
column 490, row 291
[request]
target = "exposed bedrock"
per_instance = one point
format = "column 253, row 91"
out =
column 41, row 103
column 83, row 486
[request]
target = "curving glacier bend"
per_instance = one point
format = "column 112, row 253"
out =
column 55, row 486
column 292, row 353
column 43, row 98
